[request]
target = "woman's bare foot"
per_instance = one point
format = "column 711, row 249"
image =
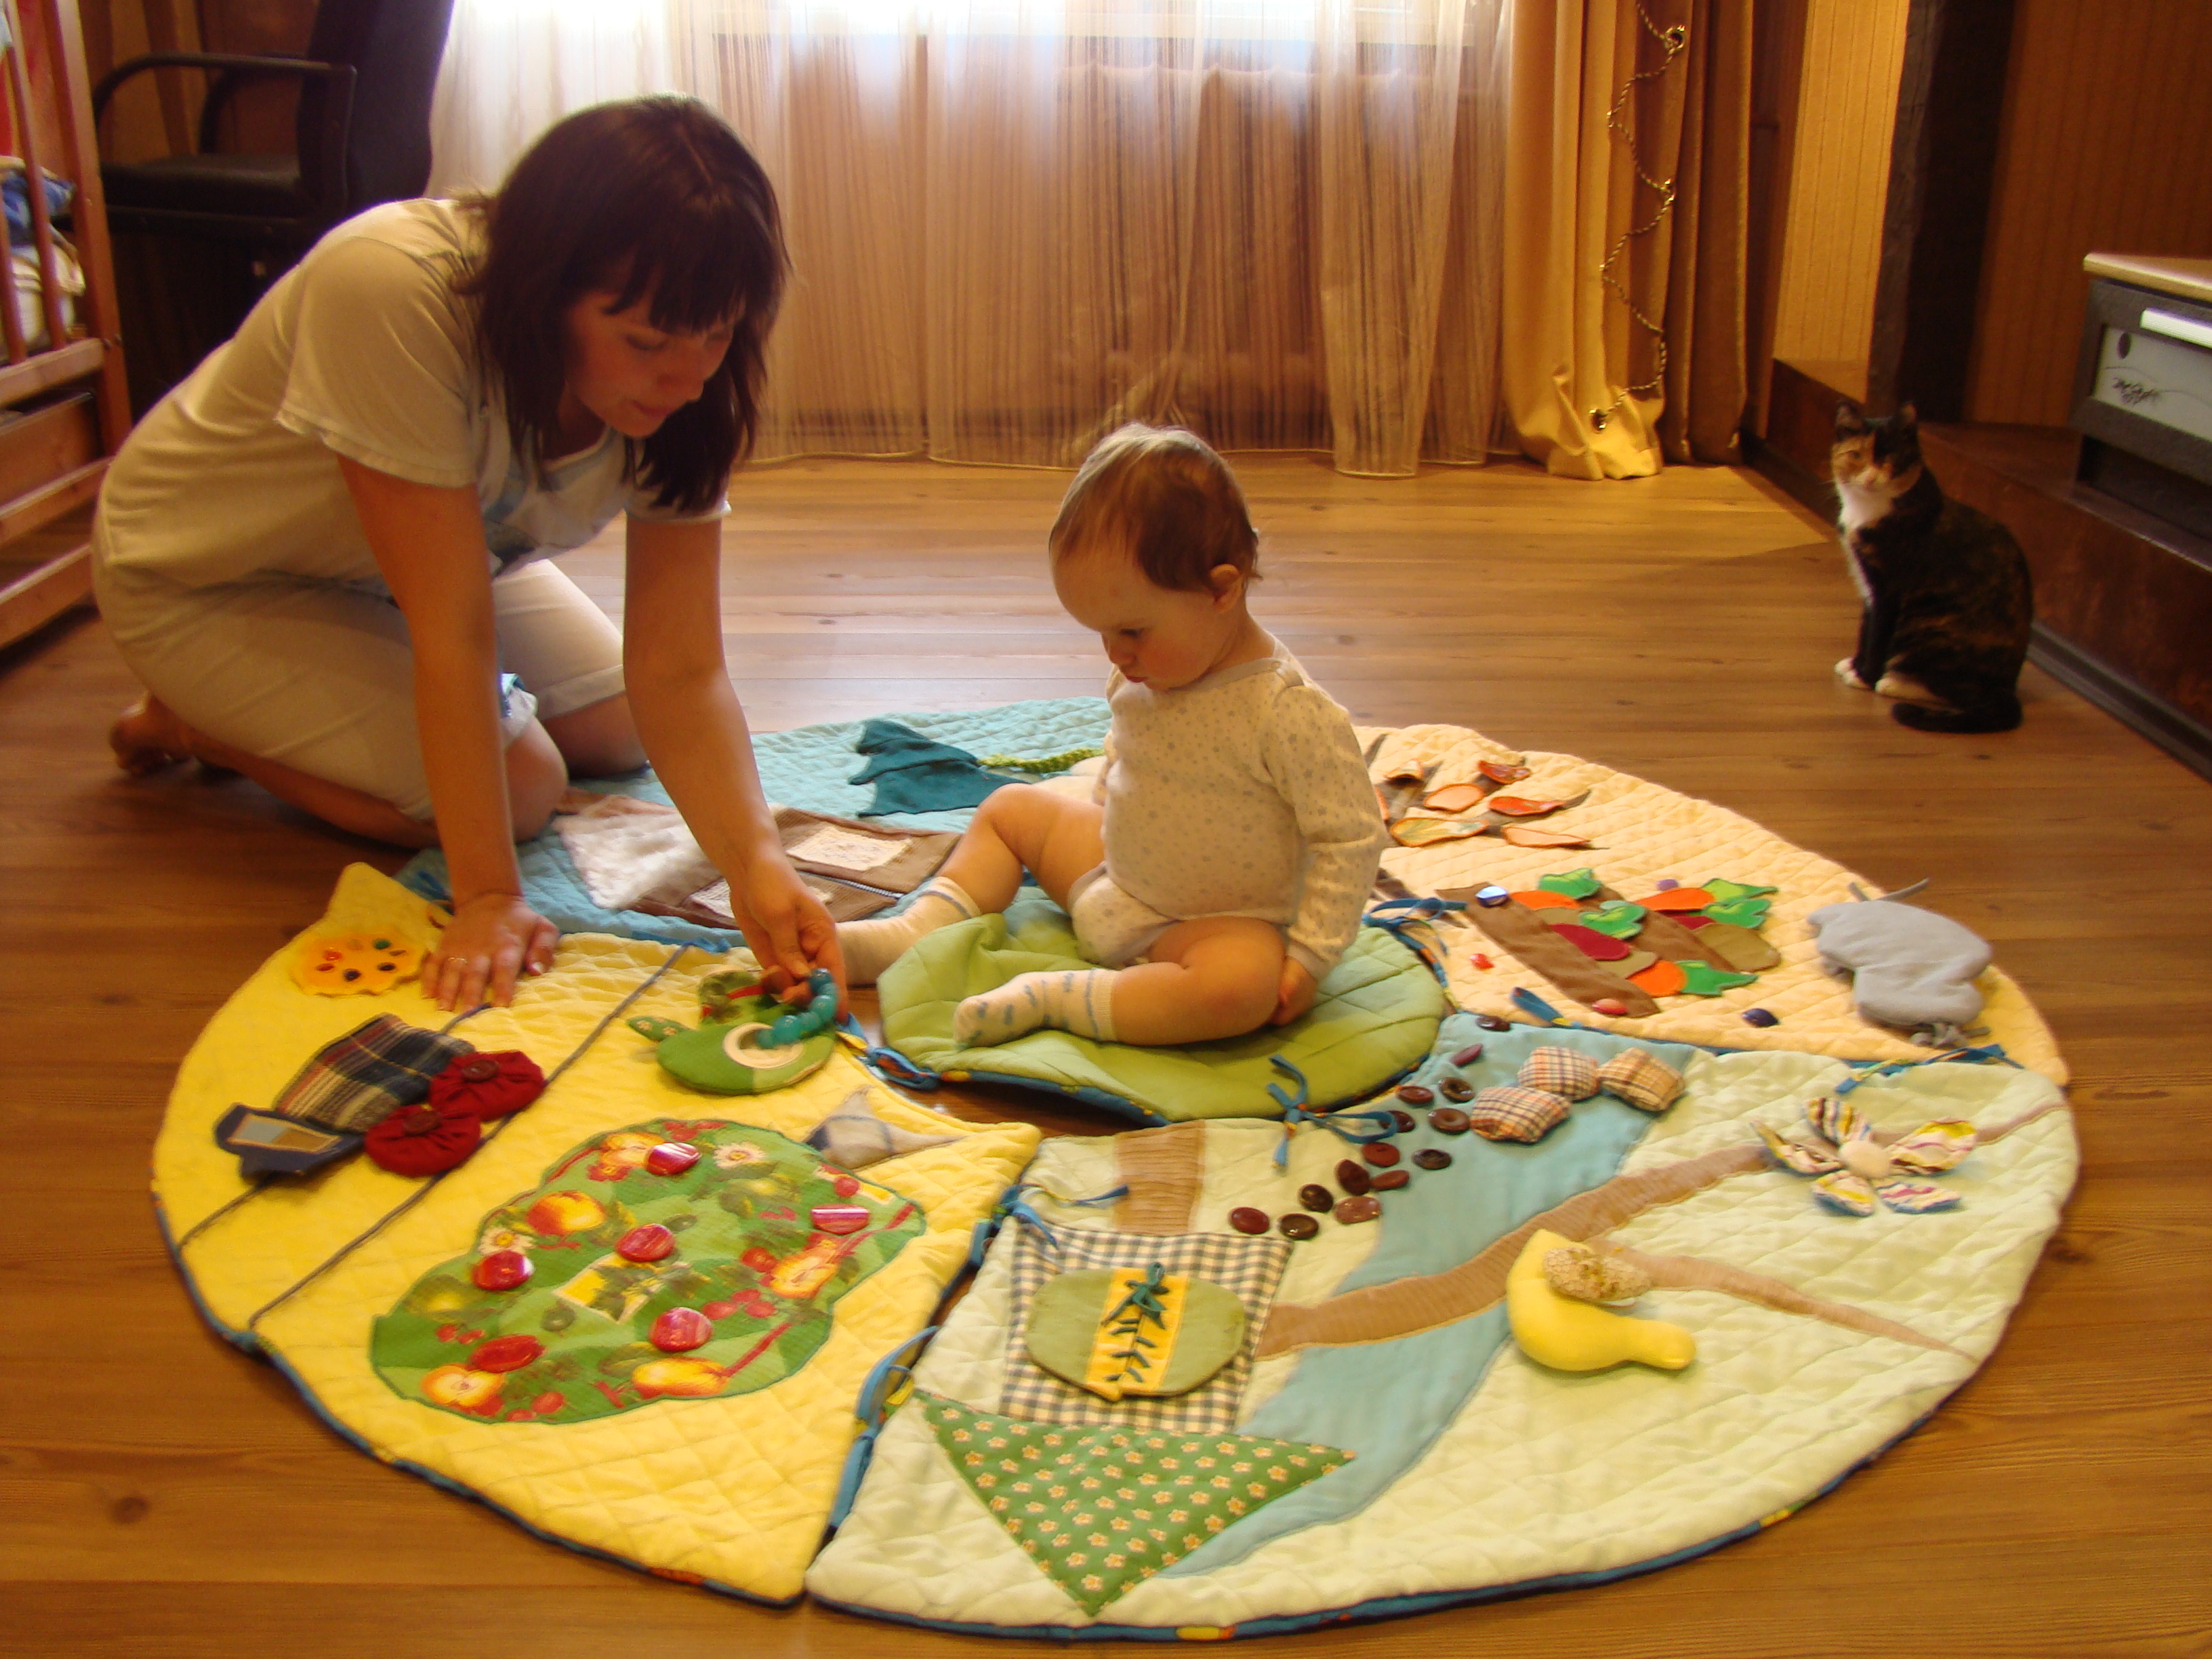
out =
column 147, row 736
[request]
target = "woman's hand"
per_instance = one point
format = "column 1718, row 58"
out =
column 790, row 932
column 1295, row 993
column 491, row 938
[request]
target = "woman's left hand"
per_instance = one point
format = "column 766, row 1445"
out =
column 1295, row 994
column 790, row 933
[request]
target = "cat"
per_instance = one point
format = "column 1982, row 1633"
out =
column 1947, row 600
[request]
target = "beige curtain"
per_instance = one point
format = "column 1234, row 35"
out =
column 1623, row 306
column 1015, row 223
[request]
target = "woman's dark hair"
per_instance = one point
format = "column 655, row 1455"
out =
column 657, row 200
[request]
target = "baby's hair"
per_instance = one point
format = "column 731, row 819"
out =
column 1165, row 496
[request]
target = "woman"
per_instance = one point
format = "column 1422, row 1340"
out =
column 320, row 551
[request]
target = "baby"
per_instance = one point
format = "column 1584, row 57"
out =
column 1228, row 865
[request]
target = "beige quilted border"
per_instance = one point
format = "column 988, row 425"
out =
column 1641, row 832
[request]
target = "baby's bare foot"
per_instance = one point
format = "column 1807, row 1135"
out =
column 147, row 736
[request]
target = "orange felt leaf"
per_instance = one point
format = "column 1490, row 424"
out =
column 1514, row 806
column 1678, row 898
column 1455, row 798
column 1498, row 772
column 1662, row 979
column 1527, row 835
column 1537, row 898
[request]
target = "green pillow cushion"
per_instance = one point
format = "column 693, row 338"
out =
column 1375, row 1019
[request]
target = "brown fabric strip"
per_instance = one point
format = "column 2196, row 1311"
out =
column 1514, row 928
column 1662, row 933
column 1694, row 1273
column 1163, row 1169
column 1382, row 1312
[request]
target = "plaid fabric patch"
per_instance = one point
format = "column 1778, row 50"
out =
column 1560, row 1071
column 1511, row 1113
column 1641, row 1080
column 357, row 1082
column 1250, row 1267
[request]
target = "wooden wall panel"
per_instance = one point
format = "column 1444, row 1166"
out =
column 2107, row 145
column 1839, row 172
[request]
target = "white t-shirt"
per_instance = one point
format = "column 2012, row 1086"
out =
column 362, row 348
column 1244, row 794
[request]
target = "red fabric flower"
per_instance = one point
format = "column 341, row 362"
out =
column 418, row 1140
column 487, row 1085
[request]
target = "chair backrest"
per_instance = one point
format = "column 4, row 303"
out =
column 395, row 47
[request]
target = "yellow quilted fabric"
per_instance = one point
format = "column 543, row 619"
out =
column 1640, row 832
column 733, row 1491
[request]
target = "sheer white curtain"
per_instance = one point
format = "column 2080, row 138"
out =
column 1015, row 224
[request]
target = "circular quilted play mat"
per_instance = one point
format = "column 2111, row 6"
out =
column 1651, row 1242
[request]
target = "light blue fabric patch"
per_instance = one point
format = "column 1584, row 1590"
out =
column 806, row 767
column 1388, row 1401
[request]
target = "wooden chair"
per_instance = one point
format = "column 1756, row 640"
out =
column 64, row 407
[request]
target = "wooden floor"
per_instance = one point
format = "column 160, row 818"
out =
column 161, row 1493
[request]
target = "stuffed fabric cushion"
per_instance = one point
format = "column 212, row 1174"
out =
column 1376, row 1017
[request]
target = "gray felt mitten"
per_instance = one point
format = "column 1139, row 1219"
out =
column 1909, row 967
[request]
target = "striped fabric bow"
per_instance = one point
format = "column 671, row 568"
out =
column 1855, row 1169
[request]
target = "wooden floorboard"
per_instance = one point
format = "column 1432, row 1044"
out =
column 162, row 1494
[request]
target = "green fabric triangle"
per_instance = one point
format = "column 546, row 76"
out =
column 1735, row 890
column 1573, row 884
column 1101, row 1509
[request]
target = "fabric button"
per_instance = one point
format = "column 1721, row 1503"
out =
column 1391, row 1180
column 682, row 1329
column 840, row 1219
column 1761, row 1017
column 478, row 1068
column 1381, row 1153
column 503, row 1270
column 1317, row 1198
column 1492, row 1022
column 1403, row 1122
column 1295, row 1225
column 1611, row 1007
column 1491, row 897
column 1468, row 1055
column 1433, row 1158
column 1358, row 1208
column 651, row 1243
column 1456, row 1090
column 671, row 1157
column 1246, row 1220
column 1352, row 1177
column 1414, row 1095
column 1448, row 1121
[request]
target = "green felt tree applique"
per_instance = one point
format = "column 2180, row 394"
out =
column 1101, row 1509
column 1616, row 918
column 1573, row 884
column 669, row 1260
column 1741, row 911
column 1702, row 979
column 1725, row 890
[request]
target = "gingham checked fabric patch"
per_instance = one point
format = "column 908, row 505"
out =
column 1635, row 1077
column 1101, row 1511
column 1248, row 1267
column 1512, row 1114
column 1560, row 1071
column 361, row 1079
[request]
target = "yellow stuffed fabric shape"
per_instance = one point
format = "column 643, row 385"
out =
column 1568, row 1335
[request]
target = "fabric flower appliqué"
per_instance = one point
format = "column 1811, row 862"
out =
column 1855, row 1169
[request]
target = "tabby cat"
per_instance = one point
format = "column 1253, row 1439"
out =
column 1947, row 604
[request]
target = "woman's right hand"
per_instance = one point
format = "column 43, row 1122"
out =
column 492, row 939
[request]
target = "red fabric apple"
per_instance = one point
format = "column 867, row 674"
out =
column 487, row 1085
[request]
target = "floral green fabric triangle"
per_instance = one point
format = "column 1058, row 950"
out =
column 1101, row 1509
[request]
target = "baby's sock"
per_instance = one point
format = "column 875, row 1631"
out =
column 871, row 946
column 1073, row 1001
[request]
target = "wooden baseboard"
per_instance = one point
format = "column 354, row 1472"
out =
column 2185, row 739
column 29, row 603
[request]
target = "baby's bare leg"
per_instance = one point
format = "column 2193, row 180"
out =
column 1021, row 827
column 1215, row 977
column 1017, row 828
